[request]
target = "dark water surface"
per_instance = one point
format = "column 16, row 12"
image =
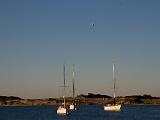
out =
column 85, row 112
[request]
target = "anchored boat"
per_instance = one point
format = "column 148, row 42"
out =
column 62, row 110
column 114, row 106
column 73, row 106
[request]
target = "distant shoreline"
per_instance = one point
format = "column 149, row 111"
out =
column 81, row 99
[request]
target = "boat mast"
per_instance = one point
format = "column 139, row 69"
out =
column 73, row 82
column 114, row 94
column 64, row 85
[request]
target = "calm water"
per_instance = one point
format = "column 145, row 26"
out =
column 85, row 112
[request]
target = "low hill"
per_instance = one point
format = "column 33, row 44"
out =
column 9, row 98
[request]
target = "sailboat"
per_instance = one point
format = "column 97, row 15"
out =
column 114, row 106
column 62, row 110
column 73, row 104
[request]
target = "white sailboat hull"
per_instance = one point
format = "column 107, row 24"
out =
column 72, row 107
column 62, row 111
column 112, row 108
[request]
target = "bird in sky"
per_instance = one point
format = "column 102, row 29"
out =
column 93, row 24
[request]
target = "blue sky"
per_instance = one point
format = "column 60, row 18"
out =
column 37, row 37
